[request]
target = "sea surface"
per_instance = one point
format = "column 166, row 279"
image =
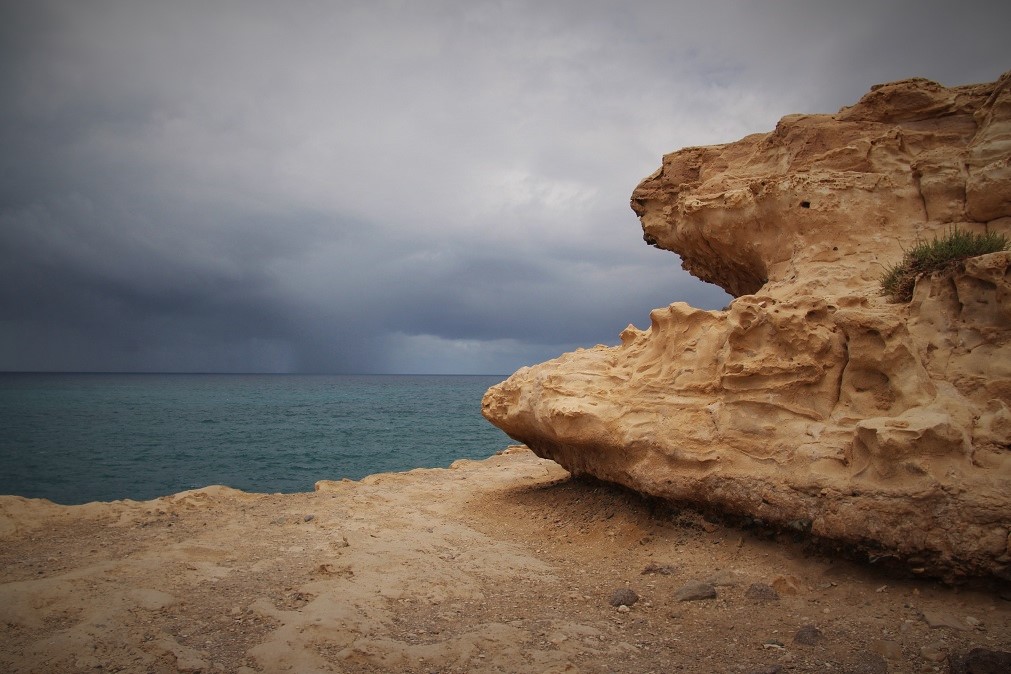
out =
column 75, row 438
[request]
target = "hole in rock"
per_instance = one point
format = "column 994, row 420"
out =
column 805, row 204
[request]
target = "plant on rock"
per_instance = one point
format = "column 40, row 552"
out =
column 941, row 254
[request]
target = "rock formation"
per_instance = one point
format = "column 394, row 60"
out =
column 812, row 401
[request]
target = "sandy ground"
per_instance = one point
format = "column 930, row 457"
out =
column 504, row 565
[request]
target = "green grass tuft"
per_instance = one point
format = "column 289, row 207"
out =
column 940, row 254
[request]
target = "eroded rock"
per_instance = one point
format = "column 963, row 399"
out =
column 811, row 398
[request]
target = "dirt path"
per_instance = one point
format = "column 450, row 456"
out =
column 504, row 565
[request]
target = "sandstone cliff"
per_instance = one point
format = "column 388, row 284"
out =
column 812, row 401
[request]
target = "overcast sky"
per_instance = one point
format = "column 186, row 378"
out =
column 375, row 186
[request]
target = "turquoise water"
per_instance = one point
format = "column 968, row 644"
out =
column 74, row 438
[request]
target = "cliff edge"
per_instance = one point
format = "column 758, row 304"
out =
column 812, row 401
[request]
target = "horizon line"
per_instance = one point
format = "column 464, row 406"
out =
column 250, row 373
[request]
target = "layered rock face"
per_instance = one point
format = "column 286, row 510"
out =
column 812, row 401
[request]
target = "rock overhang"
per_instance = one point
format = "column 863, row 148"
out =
column 811, row 397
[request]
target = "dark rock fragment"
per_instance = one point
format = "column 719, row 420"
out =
column 624, row 596
column 980, row 661
column 808, row 635
column 761, row 592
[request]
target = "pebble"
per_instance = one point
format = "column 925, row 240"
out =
column 808, row 635
column 662, row 569
column 935, row 652
column 624, row 596
column 761, row 592
column 936, row 619
column 308, row 518
column 694, row 591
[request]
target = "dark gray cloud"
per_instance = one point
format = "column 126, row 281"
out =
column 387, row 186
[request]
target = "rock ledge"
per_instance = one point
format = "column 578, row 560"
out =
column 811, row 399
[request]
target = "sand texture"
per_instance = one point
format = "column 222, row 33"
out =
column 503, row 565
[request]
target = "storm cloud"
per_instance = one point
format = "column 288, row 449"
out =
column 390, row 186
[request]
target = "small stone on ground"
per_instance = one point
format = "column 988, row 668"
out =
column 761, row 592
column 624, row 596
column 695, row 591
column 808, row 635
column 937, row 619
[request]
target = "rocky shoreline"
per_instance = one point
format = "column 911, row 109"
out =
column 503, row 565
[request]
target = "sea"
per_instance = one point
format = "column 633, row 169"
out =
column 76, row 438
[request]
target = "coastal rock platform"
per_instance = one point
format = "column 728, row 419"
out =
column 503, row 565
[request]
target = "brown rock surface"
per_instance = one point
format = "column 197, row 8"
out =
column 811, row 401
